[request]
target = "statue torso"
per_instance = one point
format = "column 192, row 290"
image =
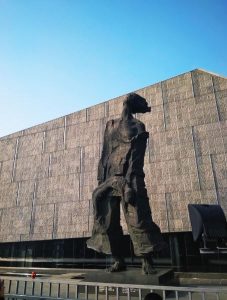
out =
column 124, row 137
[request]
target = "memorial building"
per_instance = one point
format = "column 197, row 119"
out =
column 48, row 173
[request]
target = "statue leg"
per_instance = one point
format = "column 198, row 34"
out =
column 99, row 240
column 140, row 236
column 107, row 232
column 115, row 234
column 145, row 234
column 147, row 265
column 118, row 265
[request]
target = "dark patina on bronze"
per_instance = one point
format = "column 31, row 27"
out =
column 121, row 181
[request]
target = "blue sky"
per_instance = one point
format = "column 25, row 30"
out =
column 60, row 56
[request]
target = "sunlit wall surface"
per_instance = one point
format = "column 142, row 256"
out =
column 48, row 172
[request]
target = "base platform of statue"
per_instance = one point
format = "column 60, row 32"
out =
column 130, row 276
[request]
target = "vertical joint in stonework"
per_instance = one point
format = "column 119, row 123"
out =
column 81, row 171
column 18, row 193
column 215, row 178
column 64, row 134
column 81, row 159
column 87, row 114
column 106, row 109
column 101, row 135
column 216, row 101
column 44, row 142
column 15, row 160
column 49, row 165
column 163, row 106
column 0, row 167
column 195, row 146
column 80, row 186
column 193, row 89
column 167, row 209
column 33, row 209
column 54, row 231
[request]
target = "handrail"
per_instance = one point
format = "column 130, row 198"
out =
column 121, row 285
column 81, row 289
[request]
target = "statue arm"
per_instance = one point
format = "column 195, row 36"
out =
column 104, row 155
column 136, row 157
column 135, row 166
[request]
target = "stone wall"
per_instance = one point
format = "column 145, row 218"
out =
column 48, row 172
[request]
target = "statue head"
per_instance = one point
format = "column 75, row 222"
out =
column 136, row 103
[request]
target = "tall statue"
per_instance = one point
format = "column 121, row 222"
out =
column 121, row 181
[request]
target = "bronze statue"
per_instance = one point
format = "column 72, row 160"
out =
column 121, row 180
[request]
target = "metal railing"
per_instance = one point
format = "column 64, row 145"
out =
column 48, row 288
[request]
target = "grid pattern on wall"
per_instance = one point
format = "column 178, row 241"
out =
column 48, row 172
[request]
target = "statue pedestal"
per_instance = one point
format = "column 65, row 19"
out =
column 131, row 276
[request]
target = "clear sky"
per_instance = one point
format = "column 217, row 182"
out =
column 60, row 56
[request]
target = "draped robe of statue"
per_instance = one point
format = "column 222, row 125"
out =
column 121, row 182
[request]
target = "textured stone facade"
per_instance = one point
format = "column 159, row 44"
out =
column 48, row 172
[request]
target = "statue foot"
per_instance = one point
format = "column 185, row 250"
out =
column 147, row 266
column 119, row 265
